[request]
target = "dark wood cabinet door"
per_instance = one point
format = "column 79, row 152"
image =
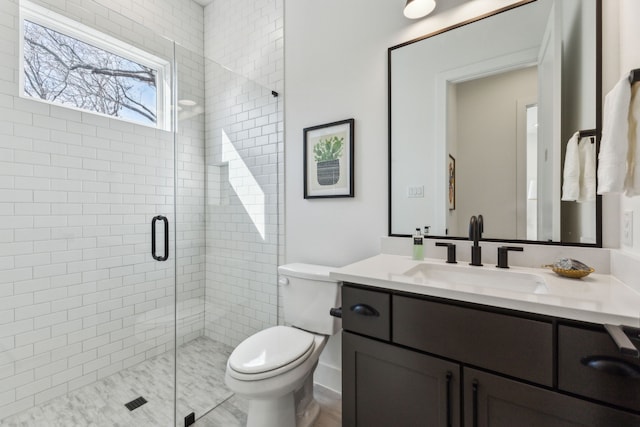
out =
column 384, row 386
column 493, row 401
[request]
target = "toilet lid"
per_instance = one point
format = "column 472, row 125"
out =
column 270, row 349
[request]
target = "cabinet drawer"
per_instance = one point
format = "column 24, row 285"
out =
column 589, row 364
column 366, row 312
column 511, row 345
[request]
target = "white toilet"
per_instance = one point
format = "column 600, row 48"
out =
column 273, row 368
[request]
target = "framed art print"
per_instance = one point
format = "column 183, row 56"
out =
column 328, row 160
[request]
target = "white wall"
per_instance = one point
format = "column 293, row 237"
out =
column 334, row 75
column 629, row 59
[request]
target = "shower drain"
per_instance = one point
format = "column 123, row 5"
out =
column 136, row 403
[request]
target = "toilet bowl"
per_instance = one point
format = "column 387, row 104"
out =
column 269, row 380
column 273, row 369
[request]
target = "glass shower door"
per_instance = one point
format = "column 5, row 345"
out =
column 87, row 312
column 228, row 146
column 92, row 313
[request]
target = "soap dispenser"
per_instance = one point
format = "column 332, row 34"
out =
column 418, row 248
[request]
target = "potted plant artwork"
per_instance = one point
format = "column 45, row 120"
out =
column 327, row 153
column 328, row 160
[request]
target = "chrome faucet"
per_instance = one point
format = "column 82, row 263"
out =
column 476, row 228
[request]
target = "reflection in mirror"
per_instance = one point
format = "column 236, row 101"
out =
column 501, row 96
column 532, row 171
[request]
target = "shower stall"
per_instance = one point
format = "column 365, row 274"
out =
column 138, row 243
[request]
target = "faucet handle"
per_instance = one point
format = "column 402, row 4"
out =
column 451, row 252
column 503, row 252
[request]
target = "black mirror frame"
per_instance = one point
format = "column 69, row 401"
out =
column 598, row 109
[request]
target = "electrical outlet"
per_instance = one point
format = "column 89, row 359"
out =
column 415, row 192
column 627, row 229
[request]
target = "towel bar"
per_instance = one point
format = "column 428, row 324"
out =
column 587, row 132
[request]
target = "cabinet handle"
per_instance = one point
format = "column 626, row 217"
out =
column 474, row 389
column 612, row 366
column 365, row 310
column 336, row 312
column 622, row 340
column 449, row 377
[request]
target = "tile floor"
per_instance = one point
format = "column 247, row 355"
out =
column 201, row 389
column 232, row 412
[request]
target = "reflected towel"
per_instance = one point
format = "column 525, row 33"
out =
column 632, row 182
column 587, row 170
column 571, row 171
column 615, row 140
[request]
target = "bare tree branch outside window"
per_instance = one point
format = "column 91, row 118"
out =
column 65, row 70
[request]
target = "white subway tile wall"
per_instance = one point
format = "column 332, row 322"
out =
column 244, row 146
column 190, row 206
column 246, row 36
column 242, row 224
column 80, row 295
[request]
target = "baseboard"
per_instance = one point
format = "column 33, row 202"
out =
column 328, row 377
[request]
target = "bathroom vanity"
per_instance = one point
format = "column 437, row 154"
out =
column 419, row 349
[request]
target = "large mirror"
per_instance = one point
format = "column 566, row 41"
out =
column 480, row 115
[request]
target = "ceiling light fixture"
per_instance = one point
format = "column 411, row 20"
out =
column 415, row 9
column 187, row 103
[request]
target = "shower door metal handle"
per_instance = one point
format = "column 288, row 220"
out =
column 166, row 238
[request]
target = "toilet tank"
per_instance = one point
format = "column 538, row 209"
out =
column 308, row 293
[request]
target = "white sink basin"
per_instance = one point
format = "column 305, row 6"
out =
column 464, row 276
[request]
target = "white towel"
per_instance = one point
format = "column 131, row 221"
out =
column 632, row 182
column 615, row 140
column 571, row 171
column 587, row 149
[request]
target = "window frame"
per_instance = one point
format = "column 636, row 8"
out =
column 71, row 28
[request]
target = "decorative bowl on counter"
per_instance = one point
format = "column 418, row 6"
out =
column 572, row 268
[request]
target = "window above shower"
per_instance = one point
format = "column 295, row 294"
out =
column 67, row 63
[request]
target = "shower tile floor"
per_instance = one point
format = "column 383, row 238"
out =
column 201, row 367
column 201, row 389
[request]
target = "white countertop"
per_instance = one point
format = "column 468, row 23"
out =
column 597, row 298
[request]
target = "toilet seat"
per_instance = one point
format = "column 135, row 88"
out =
column 270, row 352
